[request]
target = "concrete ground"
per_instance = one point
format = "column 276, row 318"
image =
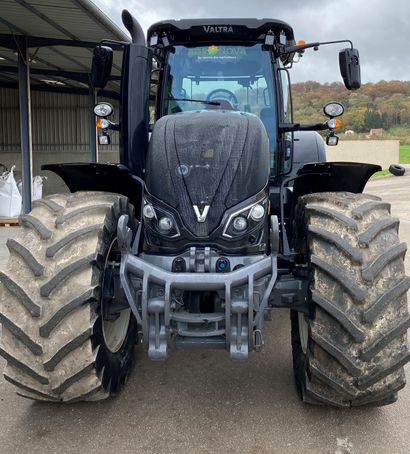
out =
column 201, row 402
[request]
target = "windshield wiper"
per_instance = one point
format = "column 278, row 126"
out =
column 212, row 103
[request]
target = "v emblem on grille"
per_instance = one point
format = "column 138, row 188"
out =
column 201, row 217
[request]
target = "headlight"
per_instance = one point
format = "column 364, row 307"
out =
column 248, row 220
column 257, row 212
column 165, row 224
column 240, row 224
column 148, row 211
column 159, row 220
column 333, row 109
column 103, row 109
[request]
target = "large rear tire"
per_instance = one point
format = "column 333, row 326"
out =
column 56, row 342
column 351, row 348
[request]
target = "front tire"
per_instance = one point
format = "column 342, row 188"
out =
column 54, row 336
column 354, row 347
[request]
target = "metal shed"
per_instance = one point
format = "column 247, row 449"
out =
column 45, row 55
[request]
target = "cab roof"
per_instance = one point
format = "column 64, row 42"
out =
column 186, row 30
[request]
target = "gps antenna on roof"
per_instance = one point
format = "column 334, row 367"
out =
column 134, row 27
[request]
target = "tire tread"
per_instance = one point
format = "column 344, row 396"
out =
column 359, row 320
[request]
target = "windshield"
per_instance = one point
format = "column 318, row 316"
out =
column 229, row 77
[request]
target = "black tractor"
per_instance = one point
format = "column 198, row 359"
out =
column 221, row 209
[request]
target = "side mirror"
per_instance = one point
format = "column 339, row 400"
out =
column 349, row 64
column 101, row 66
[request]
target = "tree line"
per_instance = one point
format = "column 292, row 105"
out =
column 375, row 105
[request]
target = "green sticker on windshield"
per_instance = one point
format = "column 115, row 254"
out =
column 213, row 50
column 217, row 53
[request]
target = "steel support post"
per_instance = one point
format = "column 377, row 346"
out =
column 25, row 124
column 91, row 125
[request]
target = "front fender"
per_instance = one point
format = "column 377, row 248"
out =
column 80, row 176
column 333, row 177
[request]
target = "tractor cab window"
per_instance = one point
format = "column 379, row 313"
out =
column 287, row 117
column 229, row 77
column 153, row 92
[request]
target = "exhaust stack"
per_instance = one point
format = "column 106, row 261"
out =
column 134, row 28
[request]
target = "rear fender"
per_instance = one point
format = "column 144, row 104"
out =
column 100, row 177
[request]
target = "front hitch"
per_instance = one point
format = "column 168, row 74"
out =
column 150, row 291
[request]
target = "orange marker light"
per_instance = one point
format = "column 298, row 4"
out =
column 301, row 42
column 102, row 123
column 338, row 123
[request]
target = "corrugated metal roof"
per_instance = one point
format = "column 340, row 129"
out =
column 73, row 20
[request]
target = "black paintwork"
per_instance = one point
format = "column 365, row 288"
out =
column 134, row 27
column 333, row 176
column 134, row 113
column 186, row 30
column 349, row 63
column 308, row 147
column 207, row 158
column 116, row 178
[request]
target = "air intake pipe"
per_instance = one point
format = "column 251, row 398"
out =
column 135, row 91
column 134, row 27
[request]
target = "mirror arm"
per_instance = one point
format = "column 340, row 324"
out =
column 114, row 44
column 292, row 127
column 339, row 41
column 314, row 127
column 292, row 49
column 288, row 127
column 114, row 126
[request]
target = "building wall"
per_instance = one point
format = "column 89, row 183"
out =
column 381, row 152
column 60, row 132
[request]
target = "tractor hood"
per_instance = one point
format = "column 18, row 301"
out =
column 202, row 163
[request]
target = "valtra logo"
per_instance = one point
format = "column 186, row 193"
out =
column 218, row 29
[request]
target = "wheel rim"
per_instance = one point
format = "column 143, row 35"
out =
column 303, row 331
column 114, row 331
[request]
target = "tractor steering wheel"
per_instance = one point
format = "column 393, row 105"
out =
column 223, row 95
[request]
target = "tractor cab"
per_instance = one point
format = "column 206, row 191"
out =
column 230, row 77
column 207, row 66
column 229, row 65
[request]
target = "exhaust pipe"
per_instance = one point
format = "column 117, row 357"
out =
column 134, row 27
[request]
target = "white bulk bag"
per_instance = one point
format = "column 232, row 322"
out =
column 37, row 187
column 10, row 198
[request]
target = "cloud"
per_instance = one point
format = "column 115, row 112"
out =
column 377, row 28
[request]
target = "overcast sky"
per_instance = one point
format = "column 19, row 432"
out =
column 380, row 29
